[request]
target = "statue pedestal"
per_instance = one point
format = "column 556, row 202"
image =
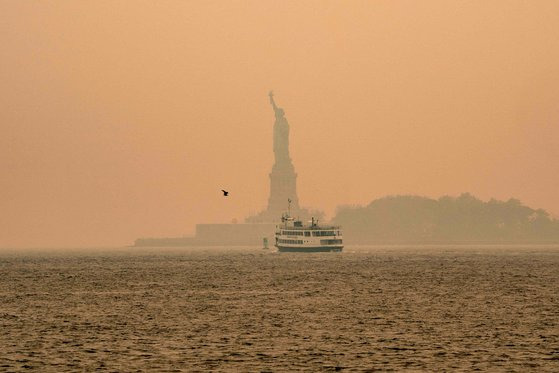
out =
column 283, row 187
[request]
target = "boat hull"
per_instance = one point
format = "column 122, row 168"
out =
column 314, row 249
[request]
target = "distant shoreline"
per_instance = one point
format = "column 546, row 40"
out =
column 191, row 242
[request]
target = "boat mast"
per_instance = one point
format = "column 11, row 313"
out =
column 289, row 207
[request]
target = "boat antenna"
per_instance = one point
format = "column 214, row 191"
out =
column 289, row 206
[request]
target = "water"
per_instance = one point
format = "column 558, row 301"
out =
column 402, row 308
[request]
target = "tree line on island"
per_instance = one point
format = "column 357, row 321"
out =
column 463, row 218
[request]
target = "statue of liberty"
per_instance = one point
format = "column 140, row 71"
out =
column 281, row 134
column 283, row 179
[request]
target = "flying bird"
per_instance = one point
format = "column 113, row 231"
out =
column 225, row 193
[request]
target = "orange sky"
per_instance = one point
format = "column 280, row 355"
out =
column 125, row 119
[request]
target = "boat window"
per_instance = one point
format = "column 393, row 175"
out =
column 323, row 233
column 293, row 233
column 330, row 242
column 293, row 242
column 307, row 234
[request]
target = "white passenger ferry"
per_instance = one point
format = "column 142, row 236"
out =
column 293, row 236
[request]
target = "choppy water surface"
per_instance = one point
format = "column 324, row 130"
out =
column 384, row 308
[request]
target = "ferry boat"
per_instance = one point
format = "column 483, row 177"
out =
column 294, row 236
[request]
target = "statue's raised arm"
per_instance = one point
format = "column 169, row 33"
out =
column 271, row 94
column 278, row 111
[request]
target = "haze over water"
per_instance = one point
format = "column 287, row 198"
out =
column 422, row 308
column 123, row 120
